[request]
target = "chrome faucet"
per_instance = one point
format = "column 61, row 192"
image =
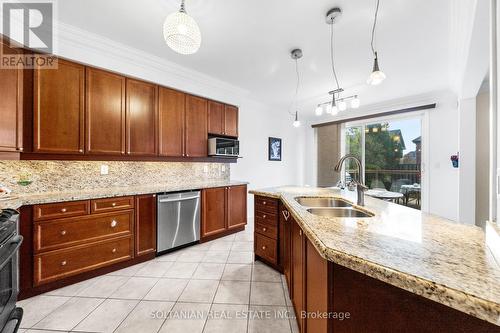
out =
column 360, row 184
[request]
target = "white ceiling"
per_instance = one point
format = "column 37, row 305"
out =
column 247, row 43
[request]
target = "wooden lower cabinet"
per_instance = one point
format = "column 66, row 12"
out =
column 55, row 265
column 298, row 264
column 145, row 225
column 223, row 211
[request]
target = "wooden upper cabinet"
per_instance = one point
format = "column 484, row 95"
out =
column 11, row 105
column 213, row 205
column 171, row 122
column 105, row 112
column 236, row 206
column 215, row 118
column 196, row 135
column 231, row 121
column 59, row 97
column 141, row 118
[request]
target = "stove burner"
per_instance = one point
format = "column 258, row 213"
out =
column 6, row 214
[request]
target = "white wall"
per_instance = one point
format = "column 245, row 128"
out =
column 482, row 157
column 257, row 122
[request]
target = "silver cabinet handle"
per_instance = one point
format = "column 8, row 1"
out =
column 178, row 199
column 63, row 232
column 63, row 210
column 114, row 250
column 114, row 224
column 113, row 204
column 63, row 263
column 286, row 214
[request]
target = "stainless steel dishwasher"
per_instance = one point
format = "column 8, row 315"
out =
column 178, row 220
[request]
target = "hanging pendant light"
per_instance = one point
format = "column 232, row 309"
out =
column 355, row 102
column 181, row 32
column 334, row 108
column 377, row 76
column 296, row 123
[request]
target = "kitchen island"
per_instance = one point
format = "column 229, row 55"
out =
column 406, row 264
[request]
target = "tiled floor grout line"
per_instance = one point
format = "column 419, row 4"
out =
column 250, row 293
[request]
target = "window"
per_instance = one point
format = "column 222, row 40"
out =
column 391, row 152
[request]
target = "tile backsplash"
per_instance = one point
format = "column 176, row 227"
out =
column 49, row 176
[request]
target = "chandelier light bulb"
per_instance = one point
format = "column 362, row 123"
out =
column 181, row 32
column 319, row 110
column 342, row 106
column 335, row 110
column 329, row 109
column 355, row 102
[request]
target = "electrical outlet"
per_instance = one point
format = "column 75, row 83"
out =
column 104, row 169
column 223, row 168
column 205, row 168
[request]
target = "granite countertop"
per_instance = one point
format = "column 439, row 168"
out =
column 450, row 263
column 73, row 195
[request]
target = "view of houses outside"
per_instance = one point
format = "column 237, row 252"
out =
column 392, row 156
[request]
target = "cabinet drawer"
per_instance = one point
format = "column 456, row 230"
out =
column 266, row 204
column 266, row 218
column 60, row 210
column 56, row 234
column 266, row 248
column 266, row 230
column 55, row 265
column 111, row 204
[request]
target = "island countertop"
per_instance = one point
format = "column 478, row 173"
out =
column 450, row 263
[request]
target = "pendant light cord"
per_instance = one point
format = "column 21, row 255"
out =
column 332, row 57
column 374, row 26
column 297, row 86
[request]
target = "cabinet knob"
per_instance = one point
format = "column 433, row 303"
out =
column 300, row 232
column 63, row 263
column 263, row 202
column 114, row 224
column 113, row 204
column 264, row 247
column 114, row 250
column 264, row 216
column 264, row 229
column 63, row 232
column 80, row 150
column 19, row 149
column 187, row 155
column 154, row 195
column 128, row 153
column 63, row 210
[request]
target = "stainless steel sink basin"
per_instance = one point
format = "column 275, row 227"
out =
column 322, row 202
column 339, row 212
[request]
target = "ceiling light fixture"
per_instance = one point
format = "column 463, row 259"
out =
column 337, row 102
column 181, row 32
column 296, row 54
column 377, row 76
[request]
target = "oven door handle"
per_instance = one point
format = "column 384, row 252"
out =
column 178, row 199
column 14, row 243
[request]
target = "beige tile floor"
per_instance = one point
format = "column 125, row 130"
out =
column 210, row 287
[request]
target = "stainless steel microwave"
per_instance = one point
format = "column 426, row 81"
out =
column 223, row 147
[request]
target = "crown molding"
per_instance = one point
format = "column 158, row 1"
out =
column 70, row 38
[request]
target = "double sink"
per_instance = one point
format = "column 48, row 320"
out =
column 331, row 207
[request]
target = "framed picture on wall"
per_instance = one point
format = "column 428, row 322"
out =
column 274, row 149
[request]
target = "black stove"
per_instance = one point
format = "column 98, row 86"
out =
column 10, row 241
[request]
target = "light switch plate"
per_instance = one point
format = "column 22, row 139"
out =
column 223, row 168
column 104, row 169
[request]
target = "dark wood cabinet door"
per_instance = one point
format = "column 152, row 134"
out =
column 215, row 118
column 317, row 289
column 298, row 282
column 236, row 206
column 231, row 121
column 196, row 134
column 105, row 112
column 145, row 224
column 141, row 118
column 213, row 211
column 59, row 96
column 11, row 105
column 171, row 122
column 284, row 245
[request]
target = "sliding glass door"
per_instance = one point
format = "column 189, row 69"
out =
column 391, row 151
